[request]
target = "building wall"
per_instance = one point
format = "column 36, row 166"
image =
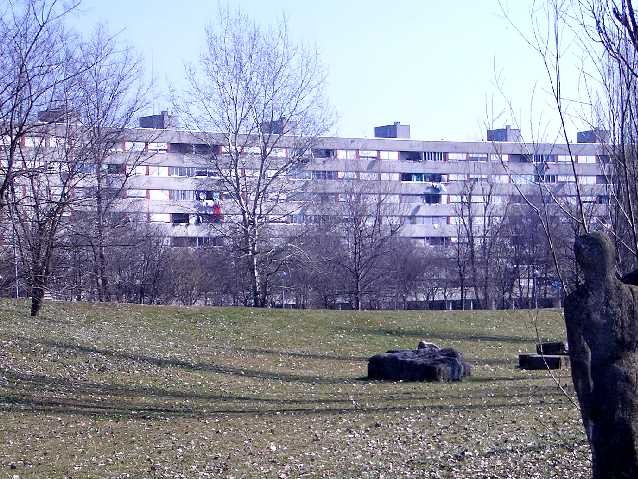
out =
column 404, row 170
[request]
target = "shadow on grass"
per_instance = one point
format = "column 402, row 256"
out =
column 41, row 393
column 119, row 409
column 190, row 365
column 295, row 354
column 437, row 335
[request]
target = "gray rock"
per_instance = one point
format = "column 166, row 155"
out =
column 424, row 345
column 429, row 363
column 601, row 316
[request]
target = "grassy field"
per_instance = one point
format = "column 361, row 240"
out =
column 125, row 391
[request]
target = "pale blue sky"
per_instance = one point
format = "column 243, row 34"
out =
column 428, row 63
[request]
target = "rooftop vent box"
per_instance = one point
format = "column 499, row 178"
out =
column 396, row 130
column 160, row 122
column 505, row 134
column 597, row 135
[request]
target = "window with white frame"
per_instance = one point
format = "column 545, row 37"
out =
column 586, row 159
column 346, row 154
column 160, row 195
column 566, row 179
column 586, row 180
column 368, row 176
column 389, row 155
column 457, row 156
column 368, row 154
column 457, row 177
column 157, row 147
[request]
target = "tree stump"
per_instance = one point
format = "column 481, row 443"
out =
column 601, row 316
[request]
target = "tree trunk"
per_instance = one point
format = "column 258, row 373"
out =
column 601, row 317
column 255, row 279
column 37, row 292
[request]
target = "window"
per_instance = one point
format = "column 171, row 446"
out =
column 522, row 158
column 300, row 174
column 368, row 176
column 85, row 168
column 157, row 147
column 181, row 171
column 205, row 195
column 324, row 175
column 160, row 217
column 603, row 159
column 134, row 146
column 586, row 159
column 437, row 240
column 181, row 195
column 545, row 178
column 411, row 156
column 586, row 180
column 434, row 156
column 346, row 175
column 390, row 176
column 566, row 178
column 116, row 169
column 457, row 156
column 180, row 218
column 346, row 154
column 477, row 156
column 522, row 179
column 161, row 195
column 389, row 155
column 422, row 177
column 545, row 158
column 431, row 198
column 323, row 153
column 457, row 177
column 368, row 154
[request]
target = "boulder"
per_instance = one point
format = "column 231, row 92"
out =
column 426, row 363
column 553, row 347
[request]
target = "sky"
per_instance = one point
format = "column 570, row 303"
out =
column 447, row 69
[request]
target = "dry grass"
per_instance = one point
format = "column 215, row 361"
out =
column 137, row 391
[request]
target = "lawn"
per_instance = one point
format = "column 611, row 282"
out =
column 129, row 391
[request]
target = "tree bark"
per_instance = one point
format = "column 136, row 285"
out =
column 601, row 317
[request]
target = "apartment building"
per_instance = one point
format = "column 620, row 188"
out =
column 422, row 183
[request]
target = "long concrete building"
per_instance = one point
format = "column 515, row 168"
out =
column 423, row 182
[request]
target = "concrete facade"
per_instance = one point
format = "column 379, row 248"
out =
column 423, row 182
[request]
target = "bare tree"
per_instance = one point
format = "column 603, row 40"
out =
column 480, row 224
column 263, row 96
column 34, row 54
column 366, row 229
column 110, row 95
